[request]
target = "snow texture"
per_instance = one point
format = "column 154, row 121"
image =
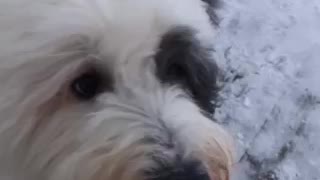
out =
column 269, row 51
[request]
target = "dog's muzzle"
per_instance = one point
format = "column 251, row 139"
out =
column 178, row 170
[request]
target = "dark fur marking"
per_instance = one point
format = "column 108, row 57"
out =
column 211, row 10
column 183, row 60
column 176, row 169
column 213, row 3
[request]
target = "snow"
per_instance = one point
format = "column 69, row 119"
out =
column 269, row 51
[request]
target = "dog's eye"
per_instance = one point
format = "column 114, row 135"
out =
column 177, row 72
column 182, row 59
column 87, row 85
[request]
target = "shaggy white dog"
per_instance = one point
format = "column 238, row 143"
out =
column 109, row 90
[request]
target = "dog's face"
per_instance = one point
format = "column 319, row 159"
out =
column 109, row 90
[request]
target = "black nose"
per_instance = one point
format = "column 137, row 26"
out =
column 191, row 170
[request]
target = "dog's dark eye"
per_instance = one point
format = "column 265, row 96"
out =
column 87, row 86
column 182, row 59
column 177, row 72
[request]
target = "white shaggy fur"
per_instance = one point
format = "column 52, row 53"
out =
column 48, row 134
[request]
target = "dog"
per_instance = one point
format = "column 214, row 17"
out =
column 110, row 90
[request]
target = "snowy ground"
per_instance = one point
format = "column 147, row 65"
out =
column 270, row 51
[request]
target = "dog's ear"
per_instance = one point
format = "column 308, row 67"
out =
column 213, row 5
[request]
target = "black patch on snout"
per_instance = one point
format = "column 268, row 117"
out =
column 183, row 60
column 211, row 10
column 177, row 169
